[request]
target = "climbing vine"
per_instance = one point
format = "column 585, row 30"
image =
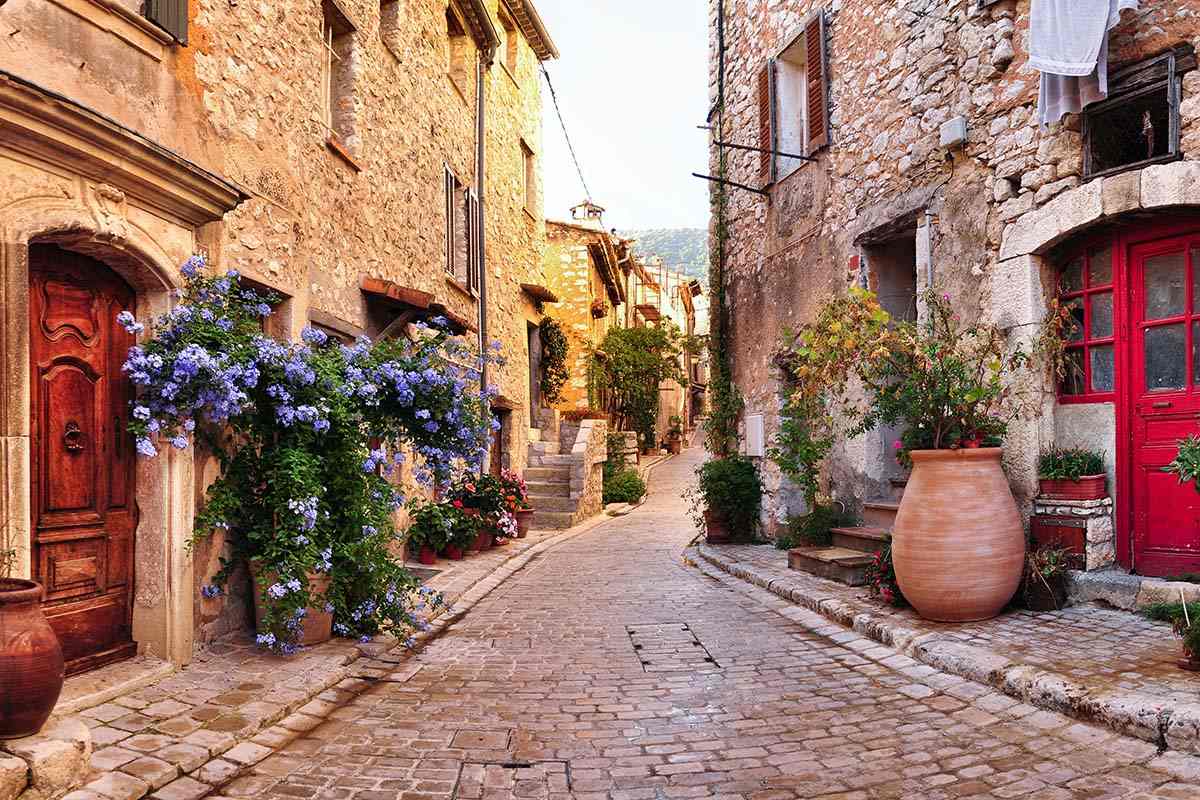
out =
column 725, row 401
column 554, row 370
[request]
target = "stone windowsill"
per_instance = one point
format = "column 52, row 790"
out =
column 335, row 146
column 457, row 286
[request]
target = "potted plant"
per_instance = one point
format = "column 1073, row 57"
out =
column 675, row 435
column 1071, row 474
column 431, row 530
column 31, row 659
column 463, row 531
column 949, row 387
column 483, row 495
column 599, row 309
column 1044, row 586
column 1185, row 621
column 516, row 495
column 727, row 499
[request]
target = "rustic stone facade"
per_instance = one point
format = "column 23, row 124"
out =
column 884, row 205
column 231, row 145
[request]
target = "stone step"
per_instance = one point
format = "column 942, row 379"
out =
column 551, row 520
column 548, row 488
column 835, row 563
column 551, row 460
column 862, row 539
column 880, row 513
column 554, row 503
column 548, row 474
column 541, row 449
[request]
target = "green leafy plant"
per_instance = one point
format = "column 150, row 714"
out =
column 1186, row 464
column 881, row 578
column 945, row 383
column 1186, row 625
column 433, row 525
column 815, row 528
column 1069, row 464
column 308, row 435
column 626, row 372
column 675, row 427
column 516, row 493
column 626, row 486
column 554, row 370
column 730, row 487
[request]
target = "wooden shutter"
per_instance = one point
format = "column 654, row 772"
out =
column 474, row 254
column 817, row 68
column 448, row 186
column 766, row 122
column 171, row 16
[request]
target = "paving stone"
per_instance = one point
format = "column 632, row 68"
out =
column 109, row 758
column 148, row 742
column 213, row 741
column 187, row 756
column 14, row 777
column 247, row 753
column 154, row 771
column 184, row 788
column 58, row 758
column 119, row 786
column 218, row 771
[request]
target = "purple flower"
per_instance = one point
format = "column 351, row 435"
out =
column 146, row 447
column 210, row 591
column 126, row 320
column 191, row 268
column 179, row 442
column 311, row 335
column 225, row 324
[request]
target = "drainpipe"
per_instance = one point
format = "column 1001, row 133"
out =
column 485, row 60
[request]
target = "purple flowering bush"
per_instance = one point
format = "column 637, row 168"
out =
column 309, row 435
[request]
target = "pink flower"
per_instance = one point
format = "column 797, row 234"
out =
column 899, row 445
column 946, row 297
column 886, row 594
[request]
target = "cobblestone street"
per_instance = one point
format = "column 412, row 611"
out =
column 608, row 668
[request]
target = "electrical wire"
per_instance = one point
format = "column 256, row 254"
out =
column 570, row 147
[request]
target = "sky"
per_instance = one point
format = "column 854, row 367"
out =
column 632, row 82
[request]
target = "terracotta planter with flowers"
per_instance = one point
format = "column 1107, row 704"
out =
column 958, row 543
column 1088, row 487
column 524, row 521
column 31, row 660
column 317, row 625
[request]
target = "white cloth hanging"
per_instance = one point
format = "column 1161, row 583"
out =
column 1068, row 43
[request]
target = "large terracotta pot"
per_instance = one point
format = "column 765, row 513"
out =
column 31, row 660
column 958, row 543
column 524, row 520
column 317, row 626
column 716, row 527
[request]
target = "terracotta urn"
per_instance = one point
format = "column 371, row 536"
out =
column 317, row 626
column 958, row 544
column 716, row 527
column 524, row 520
column 31, row 660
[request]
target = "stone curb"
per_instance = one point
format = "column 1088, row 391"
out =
column 381, row 662
column 1169, row 725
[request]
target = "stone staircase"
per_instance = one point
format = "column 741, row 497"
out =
column 563, row 486
column 853, row 549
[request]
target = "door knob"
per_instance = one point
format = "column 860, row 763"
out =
column 73, row 437
column 1161, row 404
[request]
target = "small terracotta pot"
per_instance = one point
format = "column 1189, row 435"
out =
column 454, row 552
column 317, row 626
column 427, row 555
column 716, row 527
column 958, row 543
column 524, row 520
column 1088, row 487
column 675, row 446
column 482, row 541
column 31, row 660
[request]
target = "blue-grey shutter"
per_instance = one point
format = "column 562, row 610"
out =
column 171, row 16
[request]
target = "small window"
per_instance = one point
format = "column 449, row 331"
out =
column 389, row 25
column 511, row 44
column 791, row 106
column 278, row 323
column 1139, row 123
column 530, row 180
column 462, row 234
column 1085, row 290
column 459, row 52
column 337, row 75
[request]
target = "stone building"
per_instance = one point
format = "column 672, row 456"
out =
column 370, row 161
column 908, row 154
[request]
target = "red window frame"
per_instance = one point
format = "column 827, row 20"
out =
column 1085, row 293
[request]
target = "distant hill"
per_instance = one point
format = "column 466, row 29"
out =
column 683, row 249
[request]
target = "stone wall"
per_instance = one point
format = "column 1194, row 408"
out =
column 896, row 76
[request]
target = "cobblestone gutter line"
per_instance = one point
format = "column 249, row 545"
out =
column 1170, row 724
column 191, row 766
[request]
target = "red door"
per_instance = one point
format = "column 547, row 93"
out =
column 1164, row 358
column 82, row 484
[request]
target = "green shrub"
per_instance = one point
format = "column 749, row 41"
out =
column 731, row 487
column 1069, row 464
column 624, row 487
column 814, row 529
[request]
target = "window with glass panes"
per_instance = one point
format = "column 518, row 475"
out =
column 1085, row 289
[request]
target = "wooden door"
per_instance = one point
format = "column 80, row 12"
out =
column 496, row 455
column 1164, row 359
column 82, row 486
column 535, row 374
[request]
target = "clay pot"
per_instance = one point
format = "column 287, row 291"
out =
column 454, row 552
column 524, row 520
column 31, row 660
column 427, row 555
column 958, row 543
column 716, row 527
column 675, row 446
column 1088, row 487
column 317, row 626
